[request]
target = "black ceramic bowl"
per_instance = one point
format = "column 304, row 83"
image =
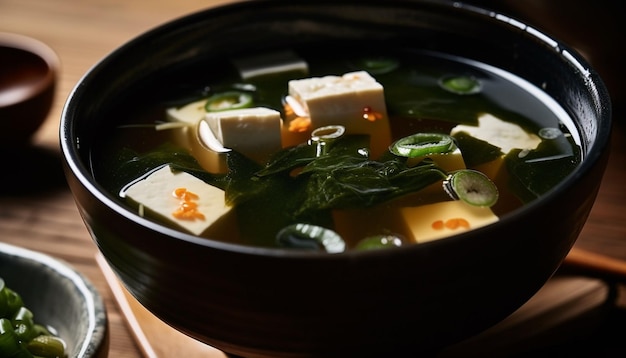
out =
column 59, row 297
column 261, row 302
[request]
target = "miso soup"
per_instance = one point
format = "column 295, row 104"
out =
column 309, row 150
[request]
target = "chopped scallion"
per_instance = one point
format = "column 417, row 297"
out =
column 472, row 187
column 379, row 242
column 421, row 144
column 312, row 237
column 228, row 100
column 460, row 84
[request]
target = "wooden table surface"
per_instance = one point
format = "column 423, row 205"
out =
column 36, row 207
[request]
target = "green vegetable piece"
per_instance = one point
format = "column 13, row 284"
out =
column 10, row 301
column 476, row 151
column 24, row 324
column 302, row 155
column 421, row 144
column 376, row 65
column 228, row 100
column 42, row 330
column 47, row 347
column 324, row 137
column 10, row 345
column 473, row 187
column 379, row 242
column 312, row 237
column 460, row 84
column 288, row 159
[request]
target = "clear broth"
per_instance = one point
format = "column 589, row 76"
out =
column 415, row 103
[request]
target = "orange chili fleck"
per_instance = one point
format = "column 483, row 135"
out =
column 188, row 208
column 371, row 115
column 463, row 223
column 456, row 223
column 437, row 225
column 452, row 224
column 299, row 124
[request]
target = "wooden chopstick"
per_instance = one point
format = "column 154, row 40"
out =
column 593, row 264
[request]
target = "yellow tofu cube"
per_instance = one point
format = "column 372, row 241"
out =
column 435, row 221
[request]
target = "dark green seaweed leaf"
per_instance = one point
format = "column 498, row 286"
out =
column 344, row 177
column 305, row 153
column 289, row 159
column 347, row 182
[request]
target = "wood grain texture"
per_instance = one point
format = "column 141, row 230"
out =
column 36, row 208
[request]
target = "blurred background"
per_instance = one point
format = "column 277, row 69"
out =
column 594, row 28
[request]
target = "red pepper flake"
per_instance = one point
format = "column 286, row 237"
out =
column 371, row 115
column 188, row 208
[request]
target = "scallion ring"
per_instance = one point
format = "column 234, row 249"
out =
column 463, row 85
column 421, row 144
column 328, row 132
column 228, row 100
column 379, row 242
column 322, row 137
column 377, row 65
column 311, row 237
column 472, row 187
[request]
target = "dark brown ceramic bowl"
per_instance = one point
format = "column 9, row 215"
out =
column 28, row 75
column 261, row 302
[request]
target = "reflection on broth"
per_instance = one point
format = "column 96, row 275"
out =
column 293, row 149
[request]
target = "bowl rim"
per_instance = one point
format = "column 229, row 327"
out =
column 94, row 304
column 595, row 151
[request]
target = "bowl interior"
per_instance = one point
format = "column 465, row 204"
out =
column 59, row 297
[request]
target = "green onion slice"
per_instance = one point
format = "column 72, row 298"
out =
column 379, row 242
column 228, row 100
column 421, row 144
column 377, row 65
column 471, row 186
column 328, row 132
column 312, row 237
column 460, row 84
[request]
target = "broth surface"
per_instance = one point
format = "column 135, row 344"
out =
column 416, row 102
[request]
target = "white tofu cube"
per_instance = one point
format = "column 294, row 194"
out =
column 435, row 221
column 355, row 100
column 502, row 134
column 156, row 193
column 253, row 132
